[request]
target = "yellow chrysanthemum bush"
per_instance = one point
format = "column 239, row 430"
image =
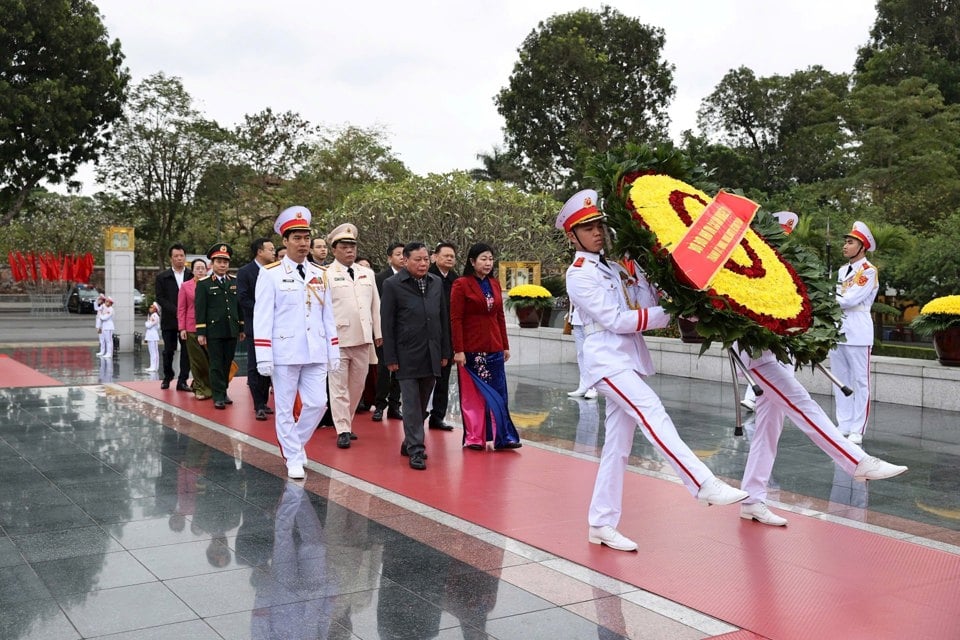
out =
column 529, row 295
column 937, row 315
column 770, row 294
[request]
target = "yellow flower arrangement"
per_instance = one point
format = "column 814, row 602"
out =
column 529, row 295
column 937, row 315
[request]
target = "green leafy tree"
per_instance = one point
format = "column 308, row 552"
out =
column 59, row 224
column 62, row 84
column 913, row 38
column 500, row 165
column 585, row 82
column 458, row 209
column 162, row 149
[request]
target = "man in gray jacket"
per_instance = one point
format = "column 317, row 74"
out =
column 416, row 341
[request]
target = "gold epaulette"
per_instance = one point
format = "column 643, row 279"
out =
column 272, row 264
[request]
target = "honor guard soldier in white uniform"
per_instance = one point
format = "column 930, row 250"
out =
column 295, row 336
column 616, row 359
column 784, row 397
column 356, row 307
column 857, row 287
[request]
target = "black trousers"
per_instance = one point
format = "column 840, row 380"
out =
column 416, row 394
column 441, row 395
column 388, row 389
column 259, row 385
column 171, row 338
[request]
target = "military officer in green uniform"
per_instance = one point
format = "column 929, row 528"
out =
column 219, row 323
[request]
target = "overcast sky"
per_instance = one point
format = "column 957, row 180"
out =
column 427, row 71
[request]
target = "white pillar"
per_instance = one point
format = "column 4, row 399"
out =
column 119, row 268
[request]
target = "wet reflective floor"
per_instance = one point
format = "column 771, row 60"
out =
column 120, row 518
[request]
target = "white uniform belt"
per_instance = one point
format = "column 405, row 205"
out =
column 591, row 328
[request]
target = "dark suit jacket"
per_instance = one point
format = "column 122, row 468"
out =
column 246, row 293
column 447, row 282
column 218, row 315
column 473, row 328
column 166, row 289
column 383, row 275
column 416, row 330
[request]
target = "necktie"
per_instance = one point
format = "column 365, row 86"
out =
column 350, row 272
column 849, row 270
column 603, row 260
column 303, row 275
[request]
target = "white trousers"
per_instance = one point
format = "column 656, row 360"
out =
column 579, row 336
column 311, row 381
column 346, row 385
column 106, row 342
column 851, row 365
column 154, row 350
column 784, row 397
column 631, row 403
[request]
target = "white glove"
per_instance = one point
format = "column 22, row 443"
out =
column 334, row 365
column 265, row 368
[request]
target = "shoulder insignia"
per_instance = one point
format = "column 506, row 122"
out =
column 578, row 262
column 207, row 277
column 271, row 265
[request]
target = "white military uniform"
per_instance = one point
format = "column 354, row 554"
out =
column 857, row 287
column 784, row 397
column 356, row 307
column 294, row 328
column 615, row 360
column 106, row 327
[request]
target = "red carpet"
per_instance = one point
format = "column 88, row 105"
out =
column 16, row 374
column 812, row 579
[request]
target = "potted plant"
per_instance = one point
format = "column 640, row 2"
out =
column 940, row 318
column 529, row 301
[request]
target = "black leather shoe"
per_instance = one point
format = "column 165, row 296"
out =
column 476, row 447
column 165, row 384
column 182, row 386
column 227, row 400
column 377, row 415
column 268, row 411
column 261, row 414
column 343, row 440
column 417, row 462
column 218, row 404
column 403, row 452
column 443, row 426
column 394, row 414
column 354, row 436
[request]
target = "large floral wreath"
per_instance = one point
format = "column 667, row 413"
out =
column 770, row 294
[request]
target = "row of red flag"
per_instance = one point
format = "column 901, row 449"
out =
column 51, row 267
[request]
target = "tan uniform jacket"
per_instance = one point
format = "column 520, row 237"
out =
column 356, row 304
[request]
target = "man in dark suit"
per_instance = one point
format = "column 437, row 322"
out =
column 388, row 390
column 219, row 324
column 262, row 252
column 444, row 259
column 416, row 341
column 167, row 289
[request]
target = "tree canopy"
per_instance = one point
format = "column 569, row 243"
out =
column 62, row 84
column 585, row 82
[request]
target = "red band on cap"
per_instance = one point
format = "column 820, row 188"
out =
column 859, row 236
column 580, row 216
column 296, row 223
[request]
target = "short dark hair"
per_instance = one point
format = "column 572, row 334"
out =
column 256, row 245
column 444, row 243
column 410, row 247
column 473, row 254
column 196, row 260
column 175, row 245
column 392, row 247
column 314, row 239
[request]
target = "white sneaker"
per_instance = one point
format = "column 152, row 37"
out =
column 871, row 468
column 759, row 512
column 591, row 394
column 612, row 538
column 855, row 438
column 296, row 472
column 749, row 405
column 578, row 393
column 716, row 491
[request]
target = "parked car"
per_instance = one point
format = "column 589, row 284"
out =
column 138, row 301
column 81, row 298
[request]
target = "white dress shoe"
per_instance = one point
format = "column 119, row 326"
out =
column 296, row 472
column 716, row 491
column 591, row 394
column 749, row 405
column 871, row 468
column 759, row 512
column 612, row 538
column 578, row 393
column 855, row 438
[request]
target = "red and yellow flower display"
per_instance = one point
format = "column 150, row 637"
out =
column 755, row 282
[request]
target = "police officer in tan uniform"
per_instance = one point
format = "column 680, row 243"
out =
column 356, row 308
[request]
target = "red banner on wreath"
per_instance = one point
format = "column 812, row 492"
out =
column 707, row 245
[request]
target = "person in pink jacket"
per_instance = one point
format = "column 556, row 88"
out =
column 187, row 323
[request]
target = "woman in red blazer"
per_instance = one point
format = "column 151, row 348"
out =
column 479, row 334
